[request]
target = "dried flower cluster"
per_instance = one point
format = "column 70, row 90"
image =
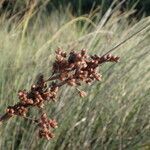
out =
column 79, row 66
column 45, row 125
column 72, row 70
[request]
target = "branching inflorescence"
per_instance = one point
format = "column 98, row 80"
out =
column 72, row 70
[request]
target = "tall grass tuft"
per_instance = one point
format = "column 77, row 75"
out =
column 116, row 113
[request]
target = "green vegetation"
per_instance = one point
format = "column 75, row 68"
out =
column 116, row 112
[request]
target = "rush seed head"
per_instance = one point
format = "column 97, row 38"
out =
column 74, row 69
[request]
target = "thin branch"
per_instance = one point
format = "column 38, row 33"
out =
column 118, row 45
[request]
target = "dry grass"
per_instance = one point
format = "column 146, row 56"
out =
column 116, row 113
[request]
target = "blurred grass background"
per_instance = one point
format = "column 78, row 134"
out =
column 79, row 7
column 116, row 112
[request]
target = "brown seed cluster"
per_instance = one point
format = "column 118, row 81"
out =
column 37, row 95
column 79, row 67
column 16, row 110
column 46, row 125
column 73, row 70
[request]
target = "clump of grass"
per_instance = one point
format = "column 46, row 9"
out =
column 116, row 113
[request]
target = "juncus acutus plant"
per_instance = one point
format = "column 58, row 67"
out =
column 73, row 69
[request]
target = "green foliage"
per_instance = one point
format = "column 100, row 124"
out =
column 114, row 115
